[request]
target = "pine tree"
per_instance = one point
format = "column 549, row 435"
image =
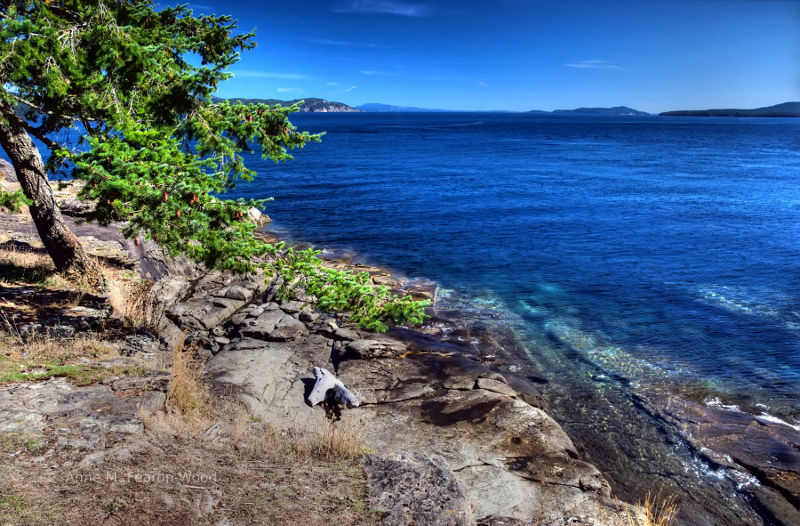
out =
column 155, row 148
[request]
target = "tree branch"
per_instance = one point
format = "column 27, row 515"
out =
column 39, row 134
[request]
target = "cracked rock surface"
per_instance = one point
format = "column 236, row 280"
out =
column 439, row 415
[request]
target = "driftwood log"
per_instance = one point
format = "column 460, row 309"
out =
column 327, row 387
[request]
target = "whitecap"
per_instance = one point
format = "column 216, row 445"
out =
column 716, row 402
column 766, row 418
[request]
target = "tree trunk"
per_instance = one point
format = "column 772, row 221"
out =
column 62, row 245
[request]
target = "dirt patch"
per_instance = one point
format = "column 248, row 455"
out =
column 163, row 479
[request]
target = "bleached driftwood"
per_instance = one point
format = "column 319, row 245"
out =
column 326, row 382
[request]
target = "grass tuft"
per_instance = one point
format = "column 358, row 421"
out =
column 654, row 511
column 188, row 392
column 333, row 442
column 135, row 301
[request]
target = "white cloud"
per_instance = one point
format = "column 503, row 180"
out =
column 288, row 90
column 593, row 64
column 251, row 73
column 351, row 88
column 387, row 7
column 482, row 84
column 376, row 73
column 331, row 83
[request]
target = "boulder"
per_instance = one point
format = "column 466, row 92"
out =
column 257, row 217
column 236, row 292
column 387, row 281
column 262, row 326
column 308, row 315
column 346, row 334
column 273, row 325
column 288, row 328
column 292, row 307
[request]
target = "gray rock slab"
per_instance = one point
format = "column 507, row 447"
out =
column 346, row 335
column 509, row 458
column 153, row 401
column 262, row 326
column 459, row 382
column 416, row 489
column 287, row 329
column 387, row 281
column 374, row 348
column 512, row 459
column 292, row 307
column 79, row 412
column 271, row 378
column 157, row 382
column 490, row 384
column 92, row 460
column 237, row 292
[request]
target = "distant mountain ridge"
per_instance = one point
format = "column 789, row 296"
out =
column 616, row 110
column 310, row 105
column 785, row 109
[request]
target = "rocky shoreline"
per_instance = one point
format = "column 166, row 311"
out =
column 450, row 411
column 438, row 409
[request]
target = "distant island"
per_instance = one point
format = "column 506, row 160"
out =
column 786, row 109
column 388, row 108
column 310, row 105
column 616, row 110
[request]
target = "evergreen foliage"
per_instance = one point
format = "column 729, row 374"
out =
column 155, row 148
column 12, row 201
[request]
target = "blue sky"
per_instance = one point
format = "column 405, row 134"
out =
column 520, row 54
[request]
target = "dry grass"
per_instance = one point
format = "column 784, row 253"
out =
column 32, row 266
column 200, row 461
column 39, row 357
column 654, row 511
column 188, row 393
column 18, row 265
column 176, row 479
column 48, row 348
column 134, row 300
column 334, row 442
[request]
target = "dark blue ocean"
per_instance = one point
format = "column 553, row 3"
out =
column 656, row 247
